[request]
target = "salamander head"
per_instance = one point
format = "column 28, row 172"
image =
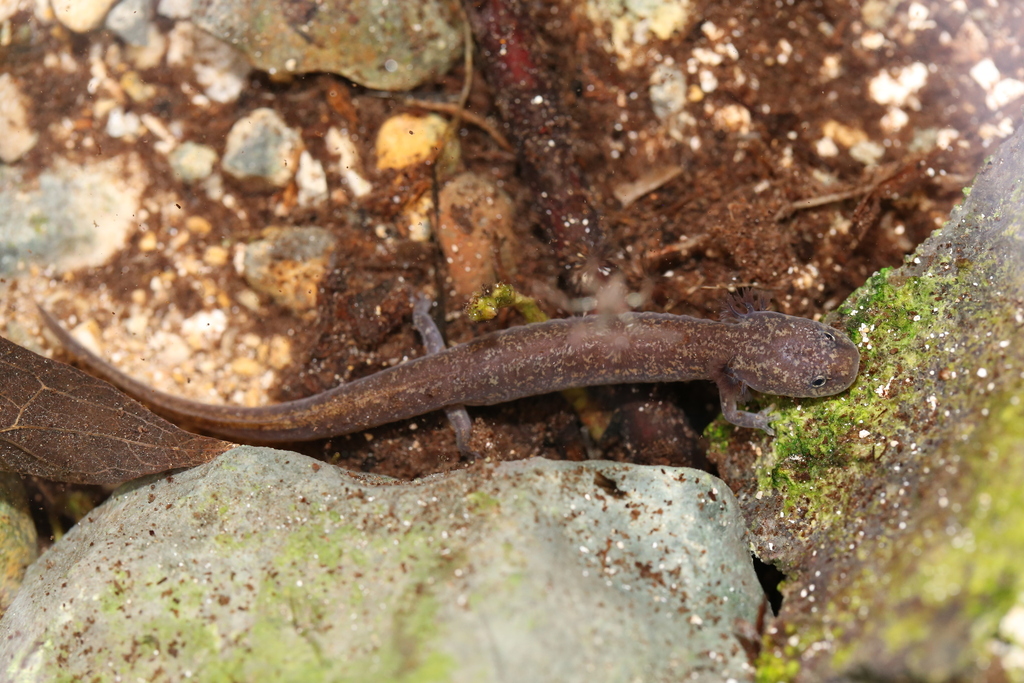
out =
column 790, row 356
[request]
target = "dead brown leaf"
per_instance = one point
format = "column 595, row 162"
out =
column 59, row 423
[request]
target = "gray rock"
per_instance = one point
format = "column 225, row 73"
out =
column 70, row 216
column 192, row 161
column 384, row 45
column 267, row 565
column 288, row 264
column 262, row 147
column 130, row 20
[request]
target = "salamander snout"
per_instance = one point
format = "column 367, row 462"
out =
column 805, row 359
column 840, row 362
column 822, row 361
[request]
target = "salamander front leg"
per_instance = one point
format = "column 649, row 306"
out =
column 731, row 391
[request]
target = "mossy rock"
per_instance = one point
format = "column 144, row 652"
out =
column 896, row 510
column 269, row 565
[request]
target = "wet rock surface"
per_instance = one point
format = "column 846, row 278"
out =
column 895, row 511
column 267, row 564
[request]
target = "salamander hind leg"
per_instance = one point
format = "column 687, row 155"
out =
column 458, row 417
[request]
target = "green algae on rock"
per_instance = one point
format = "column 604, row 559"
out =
column 268, row 565
column 896, row 510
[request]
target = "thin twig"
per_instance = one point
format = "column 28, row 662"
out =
column 467, row 116
column 801, row 204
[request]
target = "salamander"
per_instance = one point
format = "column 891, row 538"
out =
column 769, row 352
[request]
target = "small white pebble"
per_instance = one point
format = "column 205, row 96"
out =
column 826, row 148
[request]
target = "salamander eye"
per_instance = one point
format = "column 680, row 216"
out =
column 831, row 337
column 819, row 381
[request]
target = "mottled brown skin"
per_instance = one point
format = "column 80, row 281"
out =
column 769, row 352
